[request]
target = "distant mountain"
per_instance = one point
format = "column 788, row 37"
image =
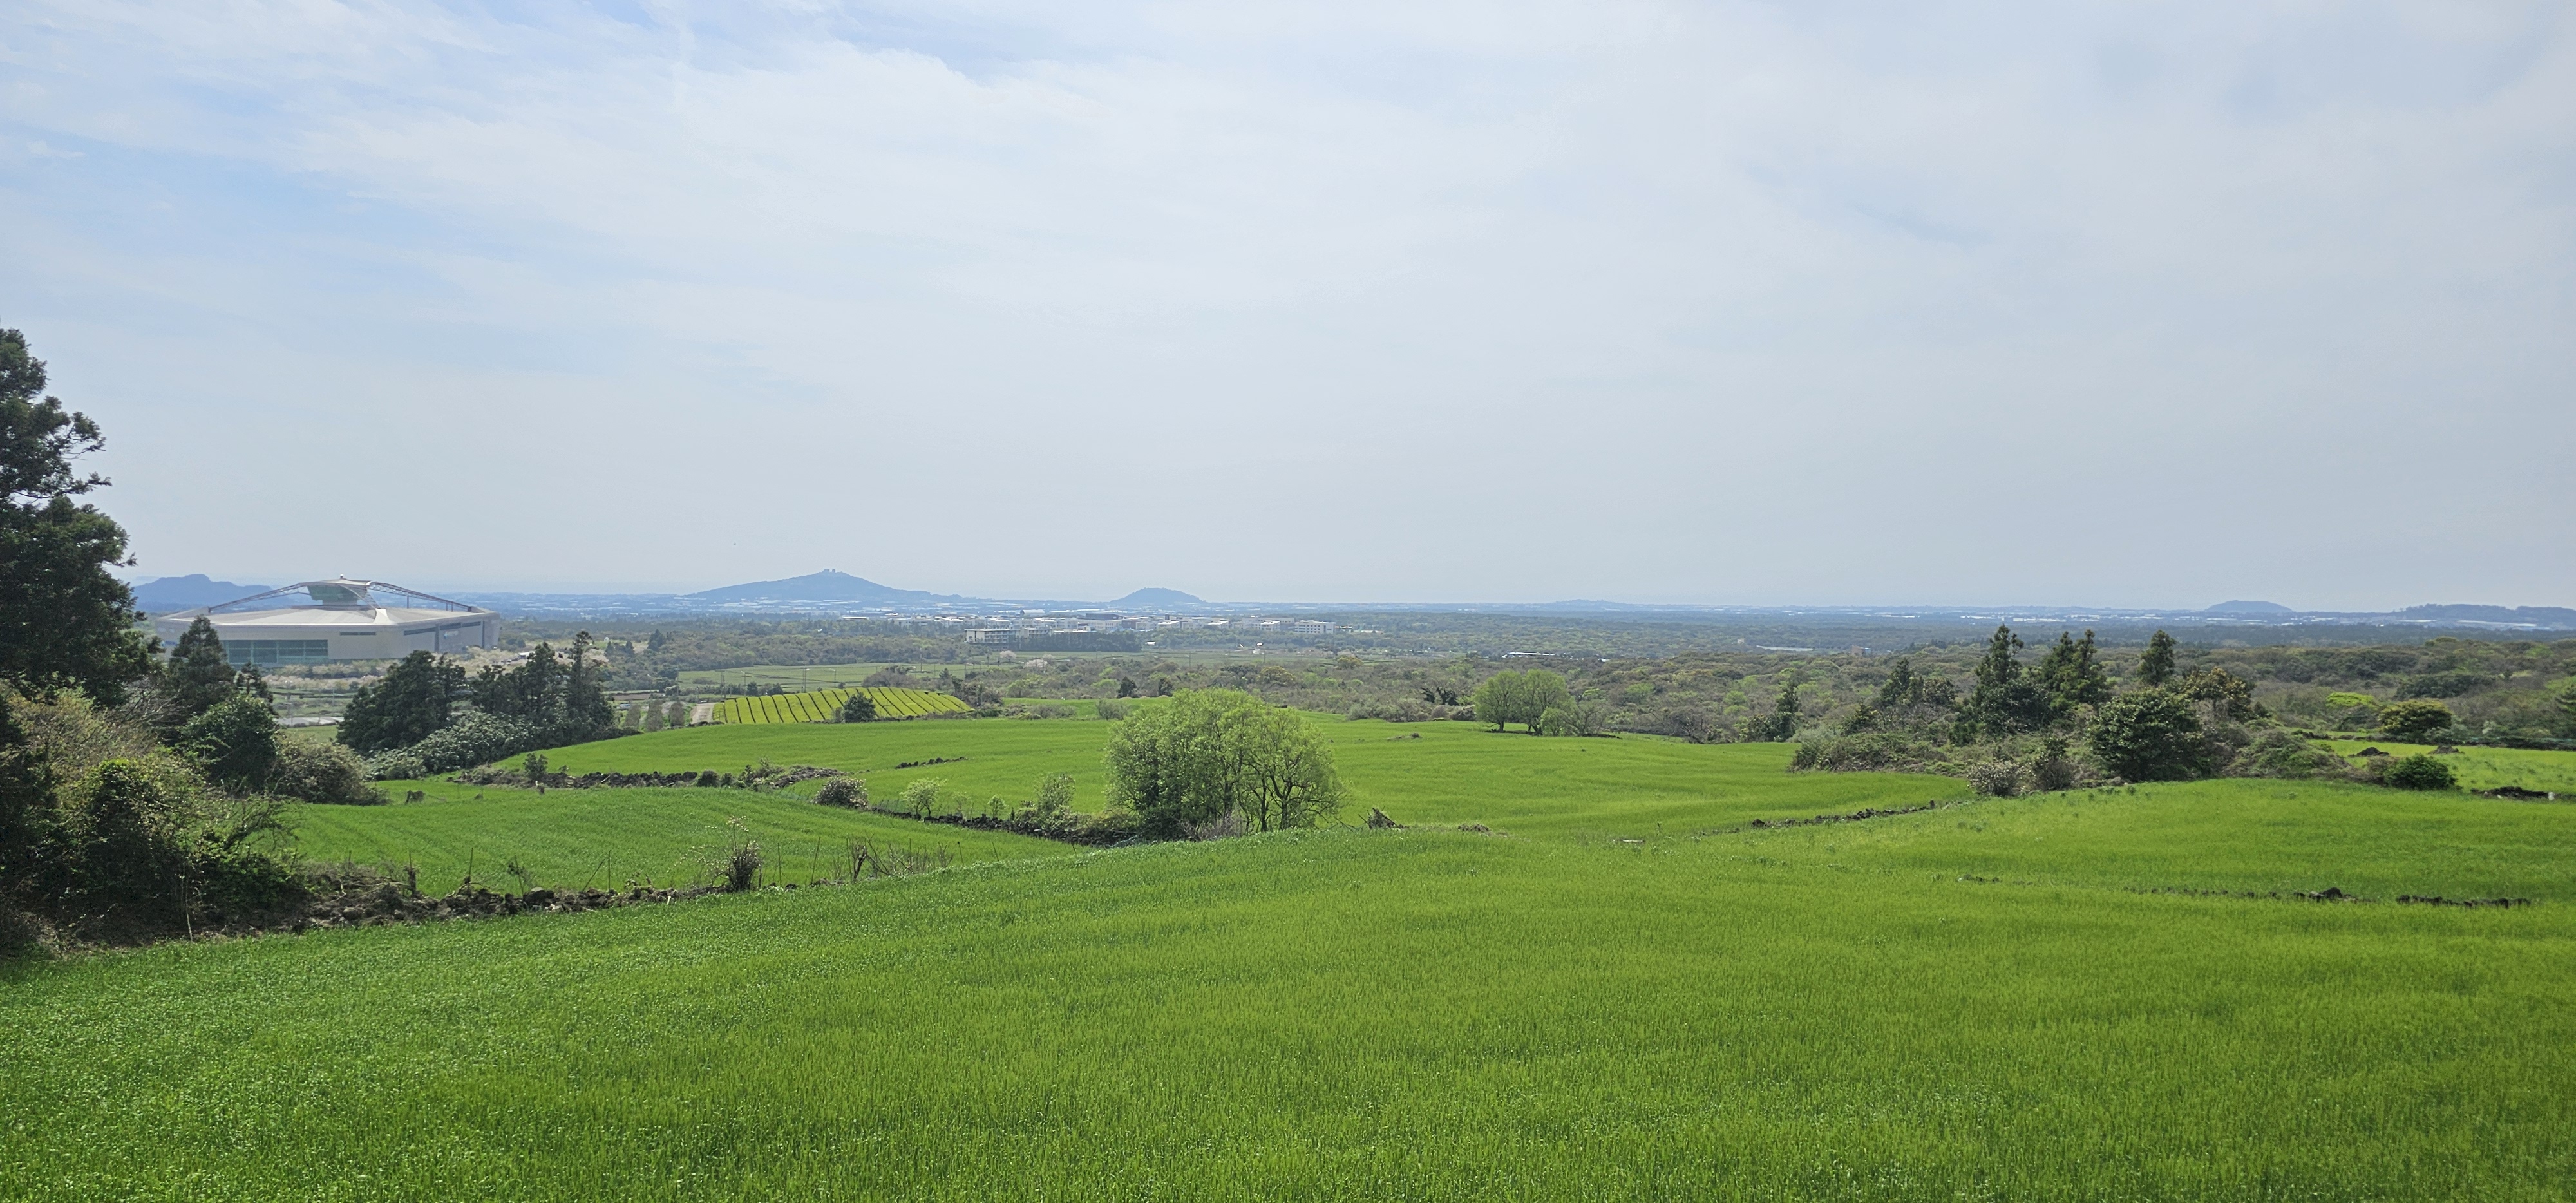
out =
column 2249, row 607
column 825, row 586
column 2551, row 617
column 163, row 595
column 1146, row 599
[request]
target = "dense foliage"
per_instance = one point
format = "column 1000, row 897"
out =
column 1207, row 755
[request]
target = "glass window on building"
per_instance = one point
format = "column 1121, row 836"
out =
column 278, row 651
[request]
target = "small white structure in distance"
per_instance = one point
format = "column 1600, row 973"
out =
column 337, row 620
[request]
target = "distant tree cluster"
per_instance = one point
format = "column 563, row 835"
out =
column 424, row 716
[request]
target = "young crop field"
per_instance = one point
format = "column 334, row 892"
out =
column 1634, row 994
column 819, row 706
column 574, row 839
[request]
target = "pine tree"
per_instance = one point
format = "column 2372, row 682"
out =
column 65, row 620
column 2073, row 675
column 2156, row 665
column 198, row 677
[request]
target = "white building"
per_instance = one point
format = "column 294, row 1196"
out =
column 338, row 620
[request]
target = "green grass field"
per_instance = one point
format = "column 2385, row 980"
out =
column 2487, row 768
column 572, row 839
column 1630, row 997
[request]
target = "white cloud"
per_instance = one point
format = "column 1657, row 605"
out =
column 1742, row 302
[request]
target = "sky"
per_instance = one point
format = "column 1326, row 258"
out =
column 1797, row 303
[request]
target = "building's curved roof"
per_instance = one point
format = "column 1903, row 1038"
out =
column 339, row 594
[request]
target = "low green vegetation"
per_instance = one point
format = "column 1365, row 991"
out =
column 564, row 839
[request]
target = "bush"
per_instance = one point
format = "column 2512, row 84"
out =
column 477, row 738
column 1873, row 751
column 1055, row 795
column 236, row 741
column 860, row 708
column 399, row 765
column 1999, row 778
column 1110, row 710
column 326, row 773
column 2419, row 771
column 740, row 867
column 2414, row 721
column 2287, row 754
column 921, row 798
column 2054, row 770
column 2151, row 735
column 843, row 791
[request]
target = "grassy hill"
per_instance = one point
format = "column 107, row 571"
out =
column 1994, row 999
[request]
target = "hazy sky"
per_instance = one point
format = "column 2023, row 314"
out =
column 1768, row 303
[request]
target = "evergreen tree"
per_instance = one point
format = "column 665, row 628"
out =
column 198, row 677
column 415, row 699
column 2156, row 664
column 2005, row 699
column 2073, row 675
column 532, row 693
column 1784, row 711
column 65, row 621
column 587, row 712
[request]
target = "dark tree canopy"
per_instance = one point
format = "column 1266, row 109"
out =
column 561, row 698
column 415, row 699
column 2415, row 721
column 2156, row 664
column 2151, row 735
column 2006, row 699
column 859, row 708
column 198, row 676
column 65, row 621
column 2072, row 674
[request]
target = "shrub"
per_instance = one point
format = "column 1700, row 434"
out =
column 2444, row 685
column 1110, row 710
column 1055, row 795
column 401, row 765
column 843, row 791
column 859, row 708
column 1223, row 827
column 2150, row 735
column 2414, row 721
column 2417, row 772
column 921, row 798
column 236, row 741
column 477, row 738
column 742, row 866
column 2054, row 770
column 2281, row 753
column 330, row 774
column 1865, row 752
column 1999, row 778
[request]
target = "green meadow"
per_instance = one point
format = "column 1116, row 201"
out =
column 1630, row 994
column 2487, row 768
column 576, row 839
